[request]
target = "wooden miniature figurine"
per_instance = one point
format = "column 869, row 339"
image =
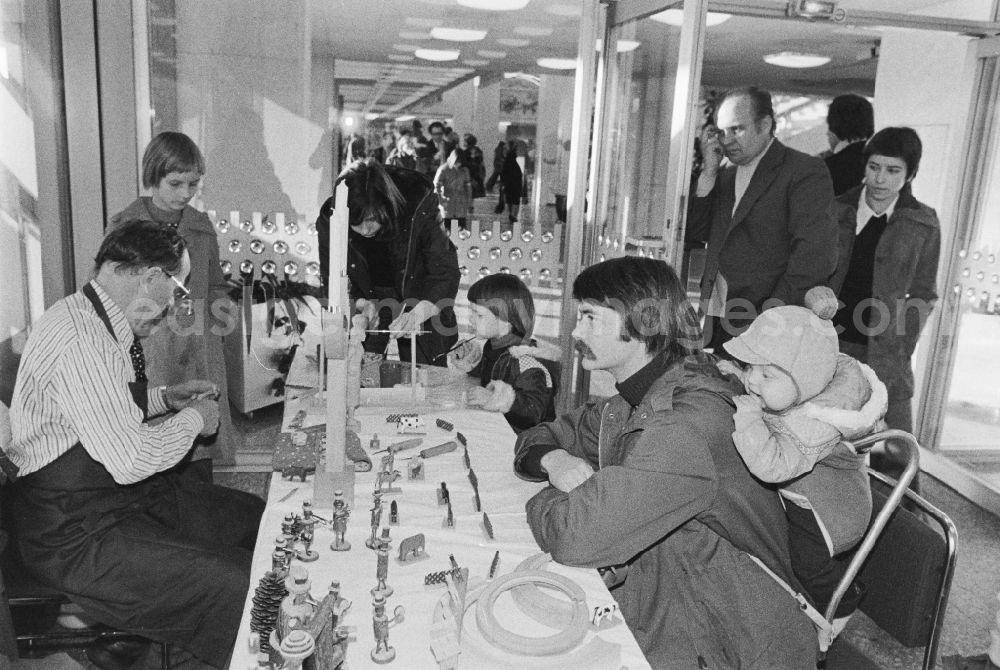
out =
column 295, row 648
column 383, row 653
column 374, row 444
column 382, row 569
column 307, row 533
column 393, row 514
column 340, row 514
column 298, row 607
column 415, row 469
column 376, row 520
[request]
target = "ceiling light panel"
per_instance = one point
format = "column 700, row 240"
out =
column 495, row 5
column 675, row 17
column 486, row 53
column 558, row 63
column 794, row 59
column 457, row 34
column 439, row 55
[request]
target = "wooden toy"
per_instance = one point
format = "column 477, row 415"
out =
column 412, row 549
column 383, row 653
column 382, row 566
column 341, row 512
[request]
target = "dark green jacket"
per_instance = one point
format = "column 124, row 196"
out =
column 672, row 499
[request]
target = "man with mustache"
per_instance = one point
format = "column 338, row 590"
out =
column 648, row 486
column 99, row 511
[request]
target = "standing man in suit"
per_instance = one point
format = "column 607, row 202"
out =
column 767, row 216
column 850, row 121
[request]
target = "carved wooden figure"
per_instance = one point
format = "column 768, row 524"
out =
column 382, row 567
column 412, row 548
column 340, row 514
column 383, row 653
column 376, row 520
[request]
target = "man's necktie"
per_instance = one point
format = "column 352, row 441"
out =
column 138, row 360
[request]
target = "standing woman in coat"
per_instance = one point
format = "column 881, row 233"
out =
column 401, row 265
column 886, row 275
column 512, row 179
column 188, row 345
column 453, row 185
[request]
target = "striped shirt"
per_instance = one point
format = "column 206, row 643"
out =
column 72, row 386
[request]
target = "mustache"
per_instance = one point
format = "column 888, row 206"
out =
column 584, row 350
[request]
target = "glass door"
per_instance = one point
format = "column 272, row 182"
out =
column 961, row 413
column 640, row 144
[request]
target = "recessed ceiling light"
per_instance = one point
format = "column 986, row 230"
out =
column 533, row 31
column 512, row 42
column 475, row 62
column 494, row 5
column 563, row 10
column 558, row 63
column 675, row 17
column 405, row 47
column 622, row 46
column 457, row 34
column 486, row 53
column 421, row 22
column 436, row 2
column 437, row 54
column 414, row 35
column 796, row 60
column 400, row 58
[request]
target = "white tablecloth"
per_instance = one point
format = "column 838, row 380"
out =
column 503, row 495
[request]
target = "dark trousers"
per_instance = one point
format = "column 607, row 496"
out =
column 817, row 571
column 167, row 558
column 892, row 459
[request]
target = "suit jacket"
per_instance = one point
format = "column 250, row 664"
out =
column 847, row 167
column 781, row 240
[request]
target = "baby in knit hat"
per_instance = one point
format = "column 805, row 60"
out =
column 803, row 398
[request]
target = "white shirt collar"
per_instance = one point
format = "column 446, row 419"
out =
column 865, row 212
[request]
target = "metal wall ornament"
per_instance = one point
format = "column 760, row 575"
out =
column 227, row 267
column 515, row 253
column 222, row 226
column 495, row 253
column 302, row 248
column 247, row 226
column 291, row 268
column 506, row 235
column 256, row 246
column 267, row 227
column 235, row 246
column 473, row 253
column 312, row 269
column 280, row 247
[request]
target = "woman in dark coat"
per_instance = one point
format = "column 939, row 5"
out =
column 399, row 261
column 512, row 179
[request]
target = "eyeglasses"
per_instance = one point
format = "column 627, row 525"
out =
column 181, row 292
column 183, row 305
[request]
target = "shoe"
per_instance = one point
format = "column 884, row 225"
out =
column 119, row 654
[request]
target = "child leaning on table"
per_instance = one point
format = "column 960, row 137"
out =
column 516, row 376
column 803, row 398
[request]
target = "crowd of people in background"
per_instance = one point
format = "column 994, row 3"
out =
column 454, row 163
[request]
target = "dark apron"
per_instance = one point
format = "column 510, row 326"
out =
column 167, row 558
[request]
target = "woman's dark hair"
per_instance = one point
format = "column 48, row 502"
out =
column 760, row 101
column 470, row 140
column 137, row 245
column 897, row 142
column 371, row 193
column 170, row 152
column 851, row 117
column 648, row 296
column 508, row 299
